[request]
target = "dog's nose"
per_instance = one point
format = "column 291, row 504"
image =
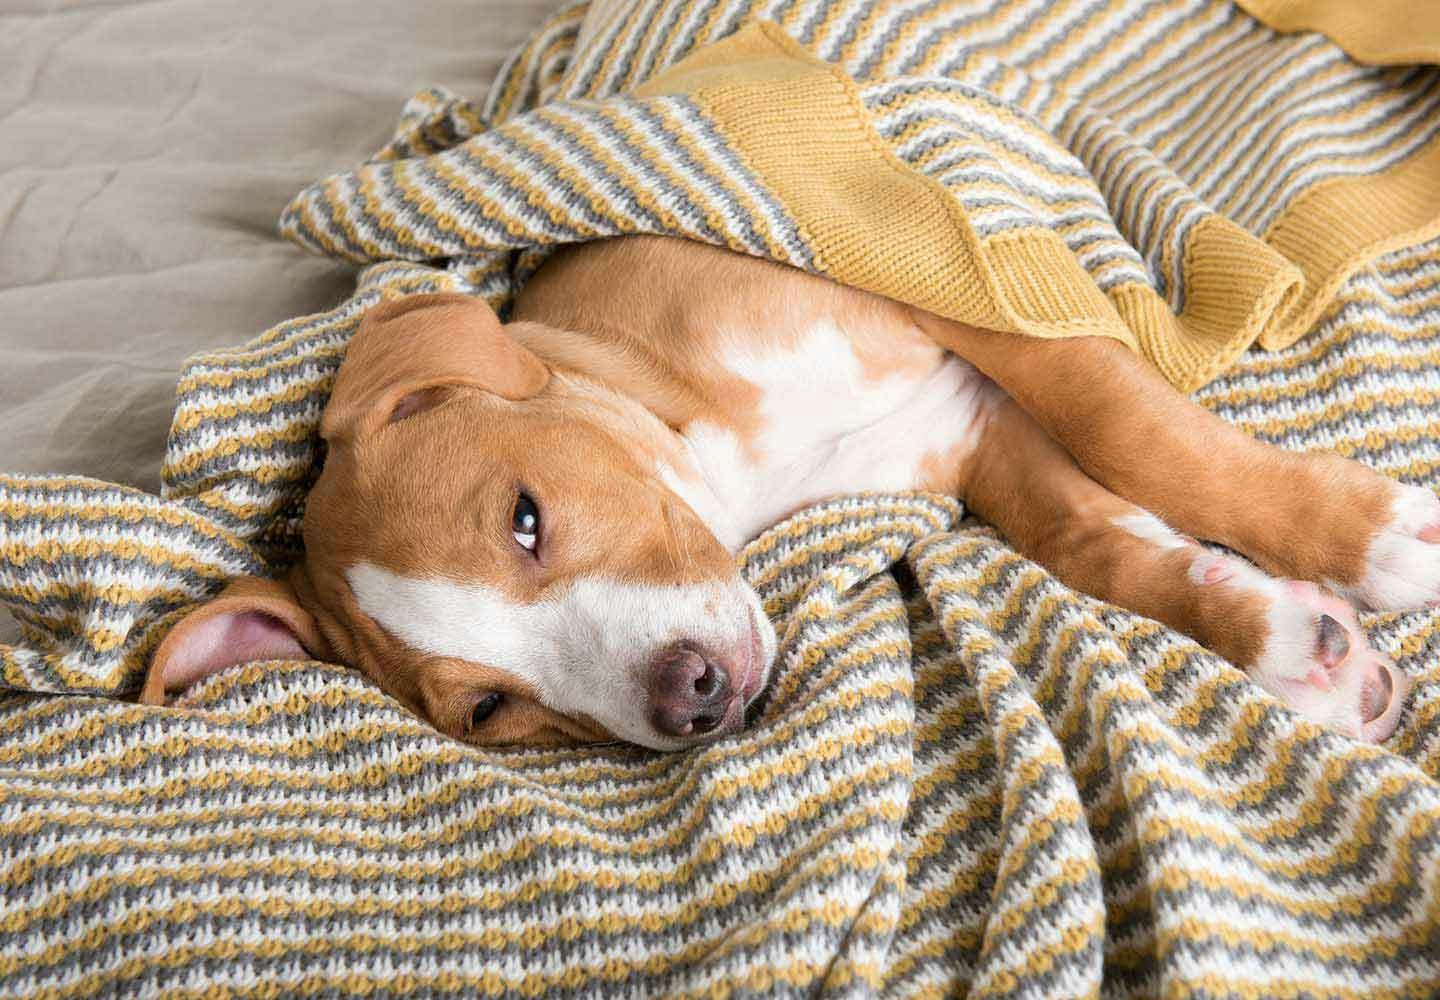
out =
column 689, row 693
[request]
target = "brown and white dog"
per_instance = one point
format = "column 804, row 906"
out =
column 526, row 533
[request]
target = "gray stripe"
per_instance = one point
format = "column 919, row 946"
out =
column 1254, row 93
column 736, row 171
column 1280, row 192
column 947, row 29
column 1063, row 164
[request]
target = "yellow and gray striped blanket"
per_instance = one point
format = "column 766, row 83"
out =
column 966, row 779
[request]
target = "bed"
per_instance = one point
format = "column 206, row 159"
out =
column 966, row 779
column 146, row 151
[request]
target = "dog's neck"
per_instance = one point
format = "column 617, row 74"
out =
column 777, row 388
column 762, row 414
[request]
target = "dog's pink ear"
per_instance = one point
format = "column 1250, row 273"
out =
column 251, row 619
column 408, row 352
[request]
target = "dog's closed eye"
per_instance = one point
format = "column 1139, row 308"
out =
column 484, row 708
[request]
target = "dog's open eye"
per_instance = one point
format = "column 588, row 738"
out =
column 484, row 708
column 525, row 522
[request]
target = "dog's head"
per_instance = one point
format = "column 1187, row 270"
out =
column 495, row 544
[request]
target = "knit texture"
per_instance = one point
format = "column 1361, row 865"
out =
column 965, row 777
column 1391, row 32
column 1175, row 175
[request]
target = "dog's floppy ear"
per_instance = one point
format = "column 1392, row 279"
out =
column 408, row 351
column 251, row 619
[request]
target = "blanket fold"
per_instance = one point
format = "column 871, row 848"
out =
column 966, row 779
column 992, row 182
column 1386, row 32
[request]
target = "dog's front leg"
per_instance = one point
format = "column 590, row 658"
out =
column 1314, row 517
column 1302, row 645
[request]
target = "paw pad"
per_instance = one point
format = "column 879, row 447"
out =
column 1318, row 662
column 1332, row 643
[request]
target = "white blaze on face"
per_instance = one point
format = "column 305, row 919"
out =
column 585, row 650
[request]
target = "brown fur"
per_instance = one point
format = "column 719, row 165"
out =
column 1094, row 424
column 612, row 346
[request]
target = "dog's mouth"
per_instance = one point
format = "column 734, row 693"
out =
column 757, row 670
column 748, row 679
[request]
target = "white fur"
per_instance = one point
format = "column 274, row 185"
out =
column 1149, row 528
column 585, row 649
column 689, row 485
column 1401, row 571
column 827, row 430
column 1289, row 659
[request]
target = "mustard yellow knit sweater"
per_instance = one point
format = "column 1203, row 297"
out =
column 1177, row 176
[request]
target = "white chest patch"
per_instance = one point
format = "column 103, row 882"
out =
column 827, row 429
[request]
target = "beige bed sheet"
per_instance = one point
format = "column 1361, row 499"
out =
column 146, row 149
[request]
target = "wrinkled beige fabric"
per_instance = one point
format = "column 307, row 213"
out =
column 142, row 167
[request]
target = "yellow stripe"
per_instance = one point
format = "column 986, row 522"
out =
column 1389, row 32
column 704, row 853
column 785, row 733
column 613, row 969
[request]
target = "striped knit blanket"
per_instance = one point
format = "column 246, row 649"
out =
column 966, row 777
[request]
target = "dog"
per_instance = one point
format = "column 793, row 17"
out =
column 526, row 532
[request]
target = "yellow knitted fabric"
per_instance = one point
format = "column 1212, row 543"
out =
column 1388, row 32
column 1175, row 176
column 876, row 222
column 965, row 779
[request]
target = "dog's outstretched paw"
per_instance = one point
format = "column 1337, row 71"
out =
column 1314, row 656
column 1402, row 564
column 1316, row 659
